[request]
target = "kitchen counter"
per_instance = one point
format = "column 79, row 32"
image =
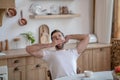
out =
column 22, row 52
column 14, row 53
column 94, row 45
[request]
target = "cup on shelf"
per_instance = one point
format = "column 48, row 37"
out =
column 54, row 9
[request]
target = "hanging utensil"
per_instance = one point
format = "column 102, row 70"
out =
column 22, row 21
column 11, row 12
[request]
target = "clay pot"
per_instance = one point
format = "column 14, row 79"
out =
column 64, row 10
column 22, row 21
column 11, row 12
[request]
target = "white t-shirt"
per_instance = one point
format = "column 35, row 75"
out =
column 62, row 62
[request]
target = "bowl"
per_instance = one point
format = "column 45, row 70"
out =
column 88, row 73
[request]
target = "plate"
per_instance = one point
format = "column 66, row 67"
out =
column 35, row 8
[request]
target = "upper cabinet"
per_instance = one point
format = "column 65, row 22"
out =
column 7, row 4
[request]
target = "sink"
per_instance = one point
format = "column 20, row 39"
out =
column 2, row 54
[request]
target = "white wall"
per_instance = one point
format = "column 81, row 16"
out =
column 83, row 24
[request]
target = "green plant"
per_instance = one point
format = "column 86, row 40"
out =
column 29, row 36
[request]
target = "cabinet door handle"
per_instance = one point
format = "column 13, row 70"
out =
column 37, row 65
column 16, row 69
column 101, row 49
column 16, row 61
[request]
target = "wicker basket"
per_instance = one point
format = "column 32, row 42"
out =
column 115, row 77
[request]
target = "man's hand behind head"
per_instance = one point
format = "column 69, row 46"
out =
column 67, row 38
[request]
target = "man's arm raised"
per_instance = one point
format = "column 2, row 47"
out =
column 36, row 49
column 83, row 38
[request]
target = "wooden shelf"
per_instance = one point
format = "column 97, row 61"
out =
column 53, row 16
column 52, row 0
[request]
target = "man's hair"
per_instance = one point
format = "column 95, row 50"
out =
column 55, row 32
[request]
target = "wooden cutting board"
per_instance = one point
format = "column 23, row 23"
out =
column 2, row 11
column 44, row 34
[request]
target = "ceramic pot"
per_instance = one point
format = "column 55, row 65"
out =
column 22, row 21
column 11, row 12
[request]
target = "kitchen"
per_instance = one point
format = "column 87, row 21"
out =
column 19, row 60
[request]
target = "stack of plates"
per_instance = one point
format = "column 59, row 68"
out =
column 35, row 8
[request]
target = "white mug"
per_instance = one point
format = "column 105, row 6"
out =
column 88, row 73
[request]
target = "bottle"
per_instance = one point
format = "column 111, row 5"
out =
column 1, row 46
column 6, row 45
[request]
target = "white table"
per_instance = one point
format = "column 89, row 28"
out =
column 104, row 75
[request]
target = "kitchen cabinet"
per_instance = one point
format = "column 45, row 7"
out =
column 96, row 59
column 116, row 19
column 4, row 4
column 27, row 68
column 17, row 73
column 38, row 68
column 85, row 60
column 3, row 69
column 3, row 62
column 101, row 59
column 39, row 72
column 16, row 69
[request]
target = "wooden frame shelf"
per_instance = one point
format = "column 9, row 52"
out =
column 53, row 16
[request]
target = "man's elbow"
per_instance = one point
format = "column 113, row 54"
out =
column 28, row 50
column 87, row 37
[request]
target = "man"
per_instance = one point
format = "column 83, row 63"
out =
column 62, row 62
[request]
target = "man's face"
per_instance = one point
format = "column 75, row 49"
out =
column 58, row 36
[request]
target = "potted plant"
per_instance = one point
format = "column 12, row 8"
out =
column 29, row 36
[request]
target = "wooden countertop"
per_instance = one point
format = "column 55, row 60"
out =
column 94, row 45
column 22, row 52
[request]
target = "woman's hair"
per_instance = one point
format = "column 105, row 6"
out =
column 55, row 32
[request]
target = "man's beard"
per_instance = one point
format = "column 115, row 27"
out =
column 58, row 47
